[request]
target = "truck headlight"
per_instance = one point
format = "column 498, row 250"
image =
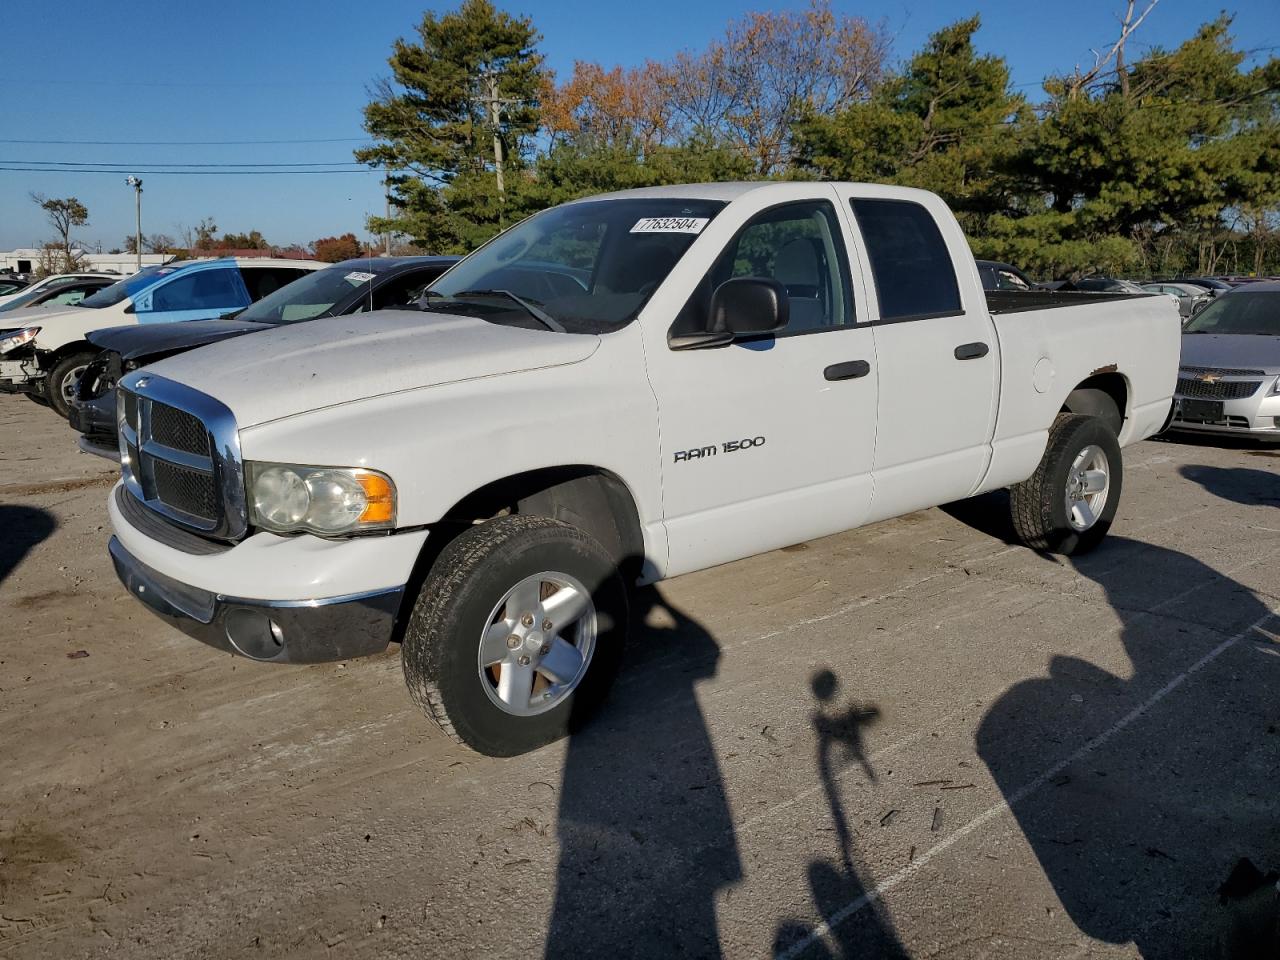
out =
column 9, row 339
column 1275, row 387
column 329, row 501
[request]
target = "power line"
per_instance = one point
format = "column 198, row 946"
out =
column 186, row 173
column 159, row 163
column 179, row 143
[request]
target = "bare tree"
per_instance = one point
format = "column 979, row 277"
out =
column 64, row 214
column 1078, row 81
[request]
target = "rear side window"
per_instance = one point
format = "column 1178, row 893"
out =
column 203, row 290
column 913, row 272
column 260, row 281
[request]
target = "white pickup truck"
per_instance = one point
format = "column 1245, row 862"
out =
column 617, row 390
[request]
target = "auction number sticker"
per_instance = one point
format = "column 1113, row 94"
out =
column 670, row 224
column 359, row 277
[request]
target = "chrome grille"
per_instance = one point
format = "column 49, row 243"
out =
column 191, row 491
column 1199, row 389
column 1220, row 372
column 180, row 455
column 178, row 429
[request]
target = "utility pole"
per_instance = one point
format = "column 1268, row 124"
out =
column 386, row 196
column 137, row 196
column 493, row 105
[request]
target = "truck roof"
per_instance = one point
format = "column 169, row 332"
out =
column 735, row 189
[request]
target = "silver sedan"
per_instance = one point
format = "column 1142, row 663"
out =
column 1229, row 376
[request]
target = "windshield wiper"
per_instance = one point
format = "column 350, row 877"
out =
column 550, row 322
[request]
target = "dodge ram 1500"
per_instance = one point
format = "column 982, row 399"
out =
column 617, row 390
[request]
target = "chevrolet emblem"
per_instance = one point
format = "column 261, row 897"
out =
column 1211, row 378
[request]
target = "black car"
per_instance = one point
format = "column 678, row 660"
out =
column 353, row 286
column 1003, row 276
column 12, row 283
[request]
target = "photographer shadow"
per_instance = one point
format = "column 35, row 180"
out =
column 853, row 921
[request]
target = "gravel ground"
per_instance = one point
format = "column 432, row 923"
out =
column 912, row 739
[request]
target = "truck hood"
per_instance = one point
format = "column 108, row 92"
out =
column 323, row 363
column 141, row 340
column 1231, row 351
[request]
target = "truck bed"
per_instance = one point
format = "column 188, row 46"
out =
column 1019, row 301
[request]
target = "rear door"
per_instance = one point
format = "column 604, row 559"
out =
column 199, row 294
column 936, row 351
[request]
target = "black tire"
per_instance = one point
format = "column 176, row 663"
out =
column 1039, row 503
column 440, row 649
column 58, row 376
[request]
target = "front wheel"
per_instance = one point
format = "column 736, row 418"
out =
column 516, row 635
column 1067, row 506
column 63, row 379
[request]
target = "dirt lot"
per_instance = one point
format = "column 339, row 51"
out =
column 910, row 739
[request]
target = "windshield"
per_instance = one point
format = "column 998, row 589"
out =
column 30, row 296
column 1256, row 314
column 309, row 296
column 589, row 266
column 110, row 296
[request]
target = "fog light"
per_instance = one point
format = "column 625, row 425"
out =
column 254, row 634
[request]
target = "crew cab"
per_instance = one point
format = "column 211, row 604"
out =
column 617, row 390
column 43, row 351
column 352, row 286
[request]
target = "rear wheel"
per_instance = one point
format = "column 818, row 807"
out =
column 63, row 379
column 516, row 635
column 1067, row 506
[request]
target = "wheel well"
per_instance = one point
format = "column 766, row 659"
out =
column 53, row 358
column 1103, row 395
column 590, row 498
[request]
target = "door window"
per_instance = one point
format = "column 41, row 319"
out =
column 204, row 290
column 260, row 281
column 796, row 244
column 910, row 262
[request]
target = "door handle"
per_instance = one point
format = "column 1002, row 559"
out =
column 971, row 351
column 849, row 370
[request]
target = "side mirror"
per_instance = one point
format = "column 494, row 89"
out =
column 741, row 307
column 747, row 306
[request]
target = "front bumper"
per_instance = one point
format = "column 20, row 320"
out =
column 96, row 421
column 1256, row 416
column 22, row 375
column 329, row 599
column 280, row 631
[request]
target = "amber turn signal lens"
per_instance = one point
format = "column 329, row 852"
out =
column 381, row 498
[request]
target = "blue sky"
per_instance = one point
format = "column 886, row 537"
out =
column 288, row 69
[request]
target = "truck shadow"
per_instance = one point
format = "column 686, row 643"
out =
column 1139, row 792
column 646, row 835
column 988, row 513
column 21, row 529
column 852, row 921
column 1238, row 484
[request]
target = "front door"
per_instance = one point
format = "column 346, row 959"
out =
column 768, row 441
